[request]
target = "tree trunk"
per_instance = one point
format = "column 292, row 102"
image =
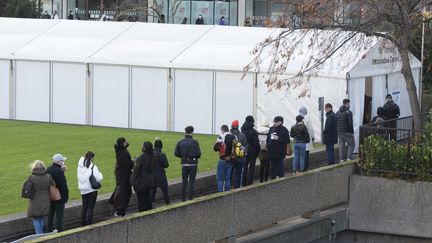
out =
column 410, row 84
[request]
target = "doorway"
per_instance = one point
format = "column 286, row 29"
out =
column 367, row 117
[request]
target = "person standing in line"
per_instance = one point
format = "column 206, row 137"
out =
column 160, row 179
column 55, row 16
column 308, row 123
column 224, row 145
column 188, row 150
column 330, row 133
column 56, row 170
column 86, row 168
column 277, row 140
column 300, row 135
column 391, row 112
column 253, row 150
column 199, row 20
column 238, row 164
column 123, row 169
column 263, row 154
column 185, row 20
column 222, row 21
column 39, row 205
column 70, row 16
column 345, row 131
column 143, row 174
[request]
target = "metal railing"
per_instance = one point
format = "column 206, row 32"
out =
column 394, row 148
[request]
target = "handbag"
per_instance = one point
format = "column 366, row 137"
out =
column 289, row 150
column 93, row 182
column 54, row 193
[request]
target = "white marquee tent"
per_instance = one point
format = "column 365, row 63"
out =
column 164, row 77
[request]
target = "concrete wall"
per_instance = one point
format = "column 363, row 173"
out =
column 19, row 225
column 367, row 237
column 390, row 206
column 223, row 215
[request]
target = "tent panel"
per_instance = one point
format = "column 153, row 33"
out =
column 4, row 89
column 69, row 93
column 149, row 98
column 378, row 92
column 234, row 98
column 286, row 104
column 111, row 96
column 357, row 99
column 32, row 91
column 193, row 100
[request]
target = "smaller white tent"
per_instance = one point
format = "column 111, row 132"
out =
column 165, row 77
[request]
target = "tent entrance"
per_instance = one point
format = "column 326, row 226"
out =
column 367, row 117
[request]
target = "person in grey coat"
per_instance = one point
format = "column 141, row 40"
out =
column 39, row 205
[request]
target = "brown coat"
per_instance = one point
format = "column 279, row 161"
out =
column 39, row 205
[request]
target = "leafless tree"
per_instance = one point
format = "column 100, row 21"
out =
column 139, row 10
column 305, row 25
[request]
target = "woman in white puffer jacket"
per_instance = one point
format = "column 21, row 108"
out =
column 88, row 194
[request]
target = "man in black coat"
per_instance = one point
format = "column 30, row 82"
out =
column 345, row 129
column 330, row 135
column 56, row 170
column 252, row 152
column 189, row 151
column 391, row 112
column 277, row 140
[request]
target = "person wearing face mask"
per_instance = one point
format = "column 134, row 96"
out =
column 123, row 169
column 277, row 140
column 345, row 131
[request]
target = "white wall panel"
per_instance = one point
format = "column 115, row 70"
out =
column 69, row 93
column 32, row 91
column 193, row 100
column 149, row 98
column 111, row 96
column 4, row 89
column 234, row 98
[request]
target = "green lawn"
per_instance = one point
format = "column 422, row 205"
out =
column 23, row 142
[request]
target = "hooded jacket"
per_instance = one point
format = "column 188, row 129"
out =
column 345, row 120
column 252, row 137
column 83, row 175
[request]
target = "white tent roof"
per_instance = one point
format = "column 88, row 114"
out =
column 184, row 46
column 16, row 33
column 72, row 41
column 152, row 45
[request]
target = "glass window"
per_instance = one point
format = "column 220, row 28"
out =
column 222, row 10
column 204, row 9
column 233, row 18
column 180, row 12
column 162, row 8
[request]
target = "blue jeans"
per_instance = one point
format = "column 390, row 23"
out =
column 238, row 171
column 223, row 175
column 299, row 156
column 330, row 154
column 38, row 223
column 276, row 168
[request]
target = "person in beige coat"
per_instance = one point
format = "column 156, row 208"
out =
column 39, row 205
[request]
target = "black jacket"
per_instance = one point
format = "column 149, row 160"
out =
column 123, row 170
column 277, row 148
column 143, row 172
column 241, row 137
column 161, row 163
column 330, row 134
column 188, row 150
column 391, row 110
column 252, row 137
column 344, row 120
column 228, row 139
column 59, row 177
column 300, row 133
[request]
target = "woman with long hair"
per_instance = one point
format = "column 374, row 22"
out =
column 142, row 177
column 86, row 168
column 123, row 169
column 39, row 205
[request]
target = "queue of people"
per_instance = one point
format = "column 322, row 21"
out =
column 238, row 148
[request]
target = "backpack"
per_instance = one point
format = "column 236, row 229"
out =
column 28, row 189
column 238, row 150
column 220, row 147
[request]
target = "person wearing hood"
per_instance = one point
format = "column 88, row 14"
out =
column 39, row 205
column 330, row 135
column 300, row 134
column 345, row 131
column 160, row 179
column 263, row 155
column 199, row 20
column 238, row 164
column 86, row 168
column 123, row 169
column 253, row 150
column 56, row 170
column 277, row 140
column 308, row 123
